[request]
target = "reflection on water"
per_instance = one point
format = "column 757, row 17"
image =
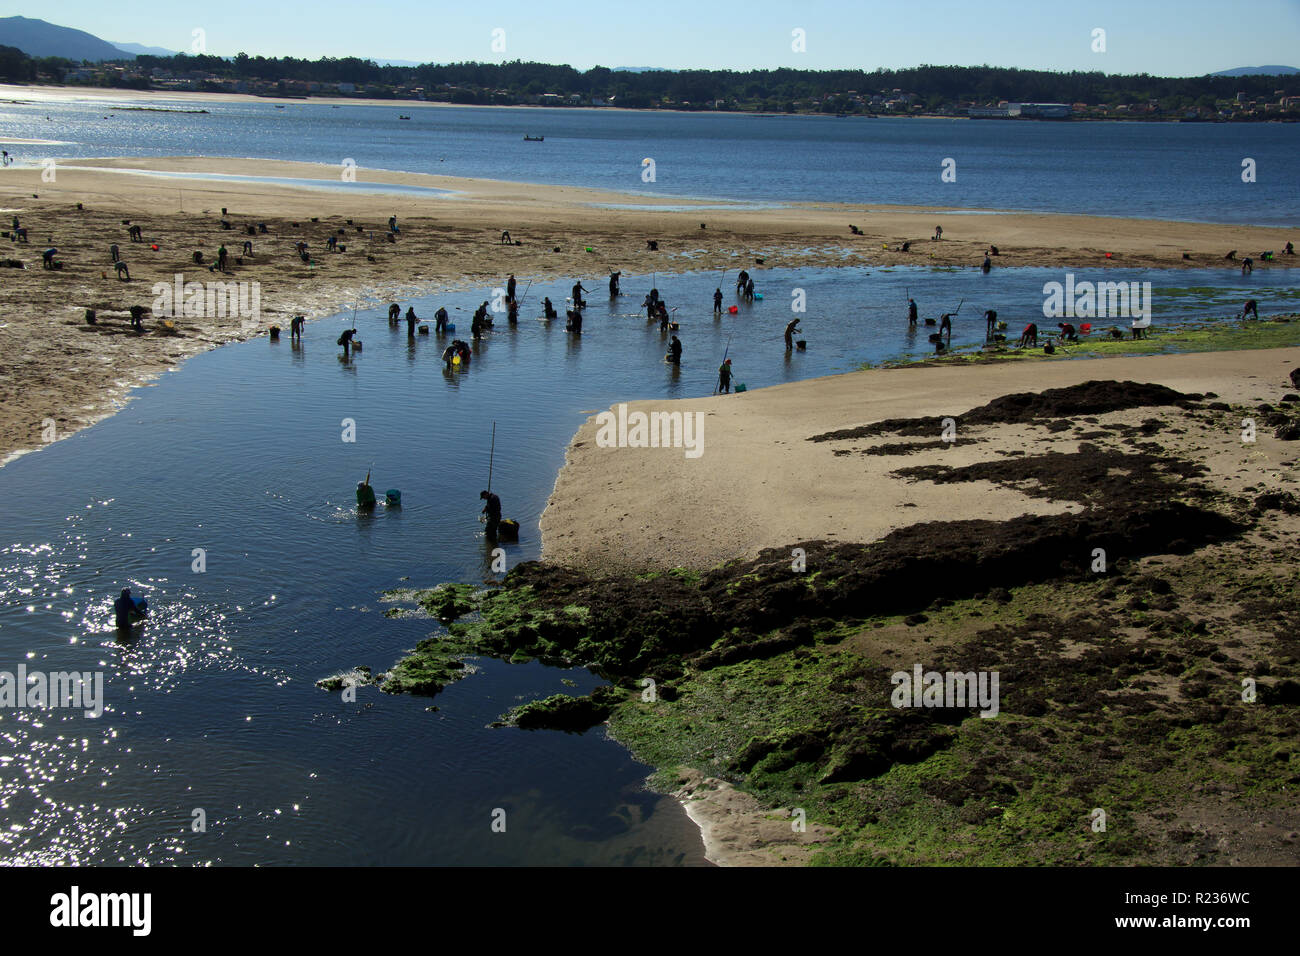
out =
column 243, row 457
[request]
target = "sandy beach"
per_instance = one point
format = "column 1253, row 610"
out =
column 761, row 483
column 802, row 465
column 62, row 369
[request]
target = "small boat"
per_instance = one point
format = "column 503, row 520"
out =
column 534, row 139
column 403, row 117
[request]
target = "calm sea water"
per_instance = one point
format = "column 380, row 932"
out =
column 1150, row 170
column 240, row 453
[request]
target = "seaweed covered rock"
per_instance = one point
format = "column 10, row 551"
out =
column 617, row 624
column 432, row 666
column 629, row 626
column 358, row 676
column 447, row 602
column 562, row 712
column 1086, row 398
column 906, row 570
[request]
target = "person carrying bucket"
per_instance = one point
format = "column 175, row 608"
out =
column 724, row 376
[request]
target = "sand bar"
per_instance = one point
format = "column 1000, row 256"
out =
column 760, row 483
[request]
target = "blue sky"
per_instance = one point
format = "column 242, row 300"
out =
column 1153, row 36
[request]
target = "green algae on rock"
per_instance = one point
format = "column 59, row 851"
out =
column 1120, row 690
column 446, row 602
column 563, row 712
column 435, row 663
column 358, row 676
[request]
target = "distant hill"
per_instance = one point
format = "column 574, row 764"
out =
column 138, row 49
column 637, row 69
column 38, row 38
column 1259, row 71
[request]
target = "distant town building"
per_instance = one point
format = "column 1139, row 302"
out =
column 1021, row 110
column 1043, row 110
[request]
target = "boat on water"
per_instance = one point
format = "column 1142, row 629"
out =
column 534, row 139
column 403, row 117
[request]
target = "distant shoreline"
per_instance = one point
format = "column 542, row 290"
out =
column 203, row 96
